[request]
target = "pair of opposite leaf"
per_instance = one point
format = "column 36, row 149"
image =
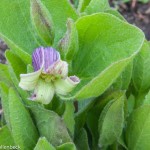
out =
column 50, row 76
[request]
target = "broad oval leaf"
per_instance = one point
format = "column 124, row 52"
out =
column 138, row 129
column 15, row 26
column 106, row 46
column 23, row 130
column 111, row 122
column 50, row 125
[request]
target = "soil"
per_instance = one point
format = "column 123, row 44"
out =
column 3, row 47
column 136, row 13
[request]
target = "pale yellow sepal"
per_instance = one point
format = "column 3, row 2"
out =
column 29, row 81
column 44, row 92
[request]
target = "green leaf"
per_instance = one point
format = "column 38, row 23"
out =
column 80, row 116
column 131, row 103
column 66, row 146
column 16, row 63
column 97, row 6
column 16, row 67
column 92, row 124
column 121, row 141
column 5, row 102
column 140, row 99
column 68, row 116
column 123, row 81
column 23, row 130
column 80, row 120
column 60, row 11
column 94, row 113
column 6, row 138
column 85, row 105
column 16, row 28
column 141, row 69
column 43, row 144
column 83, row 4
column 69, row 43
column 106, row 46
column 147, row 99
column 111, row 122
column 81, row 140
column 115, row 13
column 42, row 21
column 138, row 128
column 4, row 75
column 56, row 105
column 50, row 125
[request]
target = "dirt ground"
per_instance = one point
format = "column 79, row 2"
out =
column 137, row 14
column 3, row 47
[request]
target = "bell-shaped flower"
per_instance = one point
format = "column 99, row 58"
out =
column 50, row 76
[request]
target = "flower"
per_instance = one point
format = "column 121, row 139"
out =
column 50, row 76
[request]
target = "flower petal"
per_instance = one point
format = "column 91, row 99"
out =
column 60, row 68
column 43, row 92
column 44, row 57
column 29, row 81
column 38, row 58
column 63, row 87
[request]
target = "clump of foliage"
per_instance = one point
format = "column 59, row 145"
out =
column 108, row 109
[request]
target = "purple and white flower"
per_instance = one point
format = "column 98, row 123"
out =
column 50, row 76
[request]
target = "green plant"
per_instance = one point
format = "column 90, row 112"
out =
column 103, row 107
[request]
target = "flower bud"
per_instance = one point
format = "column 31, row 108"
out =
column 42, row 21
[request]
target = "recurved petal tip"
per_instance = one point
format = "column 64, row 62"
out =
column 63, row 87
column 74, row 79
